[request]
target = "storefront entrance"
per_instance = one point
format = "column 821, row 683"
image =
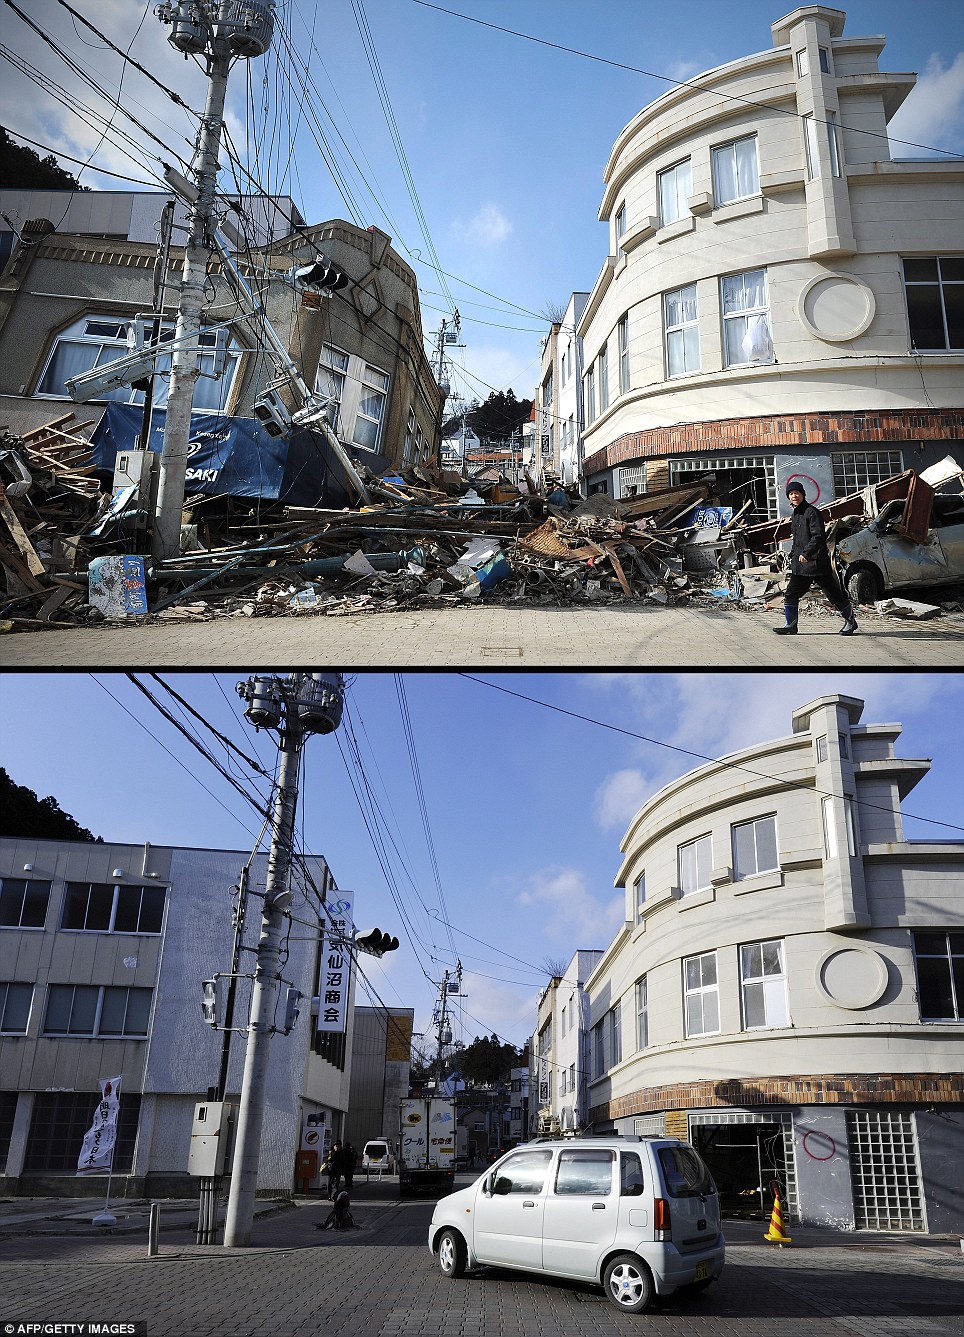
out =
column 743, row 1159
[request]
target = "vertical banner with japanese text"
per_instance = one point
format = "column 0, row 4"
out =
column 97, row 1153
column 335, row 975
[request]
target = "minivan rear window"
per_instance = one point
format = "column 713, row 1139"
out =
column 685, row 1174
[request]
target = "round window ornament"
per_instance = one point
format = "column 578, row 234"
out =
column 836, row 307
column 852, row 977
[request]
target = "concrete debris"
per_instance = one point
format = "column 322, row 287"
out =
column 906, row 608
column 430, row 539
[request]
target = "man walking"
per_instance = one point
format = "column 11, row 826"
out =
column 810, row 564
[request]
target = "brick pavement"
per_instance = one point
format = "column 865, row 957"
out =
column 380, row 1281
column 642, row 636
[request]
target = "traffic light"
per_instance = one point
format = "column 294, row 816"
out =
column 209, row 1002
column 322, row 273
column 375, row 942
column 292, row 999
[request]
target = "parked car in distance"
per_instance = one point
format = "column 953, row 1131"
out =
column 876, row 561
column 639, row 1217
column 377, row 1156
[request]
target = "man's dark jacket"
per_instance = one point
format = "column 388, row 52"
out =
column 810, row 539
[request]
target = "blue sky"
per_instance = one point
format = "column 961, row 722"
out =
column 526, row 806
column 505, row 139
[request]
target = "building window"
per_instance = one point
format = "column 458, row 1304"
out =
column 746, row 318
column 824, row 60
column 86, row 1009
column 23, row 903
column 736, row 174
column 884, row 1170
column 15, row 1002
column 642, row 1013
column 604, row 378
column 935, row 301
column 591, row 393
column 675, row 186
column 833, row 142
column 829, row 828
column 844, row 746
column 632, row 480
column 615, row 1036
column 94, row 340
column 360, row 392
column 851, row 822
column 562, row 1082
column 681, row 331
column 598, row 1050
column 939, row 958
column 59, row 1121
column 859, row 469
column 572, row 1076
column 755, row 847
column 96, row 907
column 803, row 63
column 701, row 995
column 695, row 864
column 813, row 150
column 624, row 354
column 620, row 227
column 764, row 982
column 639, row 895
column 822, row 748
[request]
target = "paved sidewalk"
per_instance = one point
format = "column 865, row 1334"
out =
column 642, row 636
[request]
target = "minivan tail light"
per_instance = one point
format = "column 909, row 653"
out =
column 662, row 1225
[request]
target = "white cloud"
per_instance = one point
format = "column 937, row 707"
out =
column 489, row 226
column 620, row 797
column 702, row 716
column 571, row 914
column 933, row 114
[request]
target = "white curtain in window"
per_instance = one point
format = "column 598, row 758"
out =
column 755, row 344
column 675, row 188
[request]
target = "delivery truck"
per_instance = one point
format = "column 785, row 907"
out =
column 426, row 1145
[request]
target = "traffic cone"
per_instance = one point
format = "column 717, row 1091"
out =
column 775, row 1234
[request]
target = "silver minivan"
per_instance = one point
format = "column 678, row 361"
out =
column 639, row 1216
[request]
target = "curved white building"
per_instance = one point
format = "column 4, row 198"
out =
column 781, row 298
column 788, row 987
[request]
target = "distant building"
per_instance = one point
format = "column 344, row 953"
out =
column 780, row 293
column 559, row 396
column 103, row 950
column 561, row 1049
column 380, row 1068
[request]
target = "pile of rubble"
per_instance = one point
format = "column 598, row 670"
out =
column 427, row 538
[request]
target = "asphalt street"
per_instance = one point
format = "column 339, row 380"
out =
column 499, row 636
column 380, row 1280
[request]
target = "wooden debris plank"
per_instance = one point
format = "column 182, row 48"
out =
column 12, row 562
column 53, row 602
column 618, row 568
column 47, row 427
column 34, row 565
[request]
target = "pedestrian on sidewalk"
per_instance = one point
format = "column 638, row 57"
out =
column 810, row 564
column 351, row 1161
column 335, row 1167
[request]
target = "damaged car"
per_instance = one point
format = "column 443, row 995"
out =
column 882, row 557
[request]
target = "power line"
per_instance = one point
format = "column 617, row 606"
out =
column 699, row 756
column 667, row 79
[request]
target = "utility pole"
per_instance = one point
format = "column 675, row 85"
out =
column 215, row 30
column 296, row 706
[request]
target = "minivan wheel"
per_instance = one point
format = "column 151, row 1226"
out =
column 628, row 1284
column 451, row 1254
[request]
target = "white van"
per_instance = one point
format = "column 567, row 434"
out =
column 377, row 1156
column 638, row 1216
